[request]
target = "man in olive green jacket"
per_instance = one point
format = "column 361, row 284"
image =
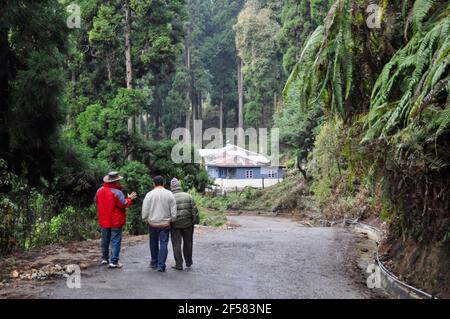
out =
column 183, row 226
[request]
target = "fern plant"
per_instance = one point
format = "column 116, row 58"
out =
column 409, row 102
column 325, row 67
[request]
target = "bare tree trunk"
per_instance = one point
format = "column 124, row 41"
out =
column 129, row 69
column 147, row 125
column 139, row 120
column 241, row 102
column 187, row 62
column 221, row 114
column 157, row 103
column 187, row 125
column 194, row 108
column 275, row 103
column 109, row 68
column 200, row 106
column 4, row 92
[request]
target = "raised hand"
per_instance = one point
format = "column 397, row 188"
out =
column 132, row 196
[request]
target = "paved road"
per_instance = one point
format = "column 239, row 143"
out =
column 267, row 257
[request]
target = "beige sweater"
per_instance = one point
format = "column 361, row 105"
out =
column 159, row 207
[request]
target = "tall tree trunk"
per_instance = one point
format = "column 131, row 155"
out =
column 157, row 108
column 221, row 113
column 147, row 125
column 187, row 63
column 129, row 68
column 241, row 101
column 194, row 108
column 187, row 125
column 4, row 92
column 139, row 121
column 275, row 103
column 109, row 68
column 200, row 106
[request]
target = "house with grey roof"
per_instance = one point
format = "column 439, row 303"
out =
column 233, row 167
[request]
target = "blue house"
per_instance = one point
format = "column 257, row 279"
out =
column 234, row 167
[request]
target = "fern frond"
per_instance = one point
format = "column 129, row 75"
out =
column 419, row 11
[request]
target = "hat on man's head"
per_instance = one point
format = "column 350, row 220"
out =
column 112, row 177
column 174, row 183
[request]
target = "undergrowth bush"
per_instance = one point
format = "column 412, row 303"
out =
column 327, row 162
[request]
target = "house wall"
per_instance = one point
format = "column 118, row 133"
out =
column 238, row 180
column 232, row 184
column 240, row 172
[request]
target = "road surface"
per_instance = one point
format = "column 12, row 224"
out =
column 266, row 257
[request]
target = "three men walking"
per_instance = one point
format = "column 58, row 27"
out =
column 165, row 213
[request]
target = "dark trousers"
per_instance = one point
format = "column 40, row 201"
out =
column 111, row 236
column 159, row 239
column 185, row 235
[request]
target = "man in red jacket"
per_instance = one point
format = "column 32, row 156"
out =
column 111, row 206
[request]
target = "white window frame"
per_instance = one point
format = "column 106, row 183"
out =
column 272, row 173
column 248, row 174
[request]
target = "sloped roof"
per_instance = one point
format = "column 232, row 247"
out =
column 233, row 156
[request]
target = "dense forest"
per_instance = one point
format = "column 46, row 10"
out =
column 361, row 99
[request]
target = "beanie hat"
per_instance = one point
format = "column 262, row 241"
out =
column 174, row 183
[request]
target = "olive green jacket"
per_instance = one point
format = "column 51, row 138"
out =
column 187, row 212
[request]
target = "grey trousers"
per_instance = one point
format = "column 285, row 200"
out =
column 185, row 235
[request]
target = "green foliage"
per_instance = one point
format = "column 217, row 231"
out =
column 216, row 203
column 299, row 19
column 72, row 224
column 31, row 219
column 409, row 105
column 256, row 30
column 103, row 35
column 211, row 209
column 222, row 58
column 253, row 113
column 200, row 181
column 32, row 80
column 287, row 196
column 326, row 164
column 298, row 122
column 212, row 218
column 420, row 10
column 137, row 178
column 405, row 134
column 290, row 163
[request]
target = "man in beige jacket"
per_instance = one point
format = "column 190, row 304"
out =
column 159, row 210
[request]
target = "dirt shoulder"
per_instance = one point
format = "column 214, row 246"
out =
column 25, row 273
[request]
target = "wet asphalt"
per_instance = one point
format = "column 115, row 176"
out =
column 266, row 257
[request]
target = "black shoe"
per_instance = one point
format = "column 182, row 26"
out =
column 153, row 266
column 177, row 267
column 161, row 270
column 189, row 266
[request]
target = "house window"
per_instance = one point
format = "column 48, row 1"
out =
column 271, row 174
column 222, row 172
column 249, row 173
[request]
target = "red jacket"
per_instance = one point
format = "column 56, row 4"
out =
column 111, row 205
